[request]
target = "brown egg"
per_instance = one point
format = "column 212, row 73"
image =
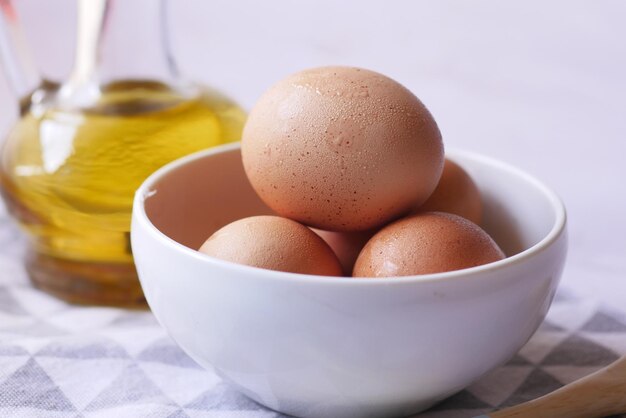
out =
column 456, row 193
column 273, row 243
column 346, row 245
column 429, row 242
column 337, row 148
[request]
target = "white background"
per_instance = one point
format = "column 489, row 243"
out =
column 540, row 84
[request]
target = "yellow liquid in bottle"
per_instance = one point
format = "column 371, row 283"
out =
column 69, row 178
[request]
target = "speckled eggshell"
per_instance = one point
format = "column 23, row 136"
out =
column 341, row 149
column 273, row 243
column 430, row 242
column 456, row 193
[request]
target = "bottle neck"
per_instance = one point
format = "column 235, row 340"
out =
column 134, row 42
column 118, row 40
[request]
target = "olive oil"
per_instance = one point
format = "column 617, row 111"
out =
column 69, row 175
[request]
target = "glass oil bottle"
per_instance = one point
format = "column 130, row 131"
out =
column 70, row 165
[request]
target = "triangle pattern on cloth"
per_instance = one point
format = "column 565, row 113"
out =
column 568, row 374
column 563, row 295
column 499, row 384
column 132, row 386
column 33, row 344
column 461, row 400
column 30, row 386
column 12, row 350
column 457, row 413
column 181, row 385
column 70, row 376
column 540, row 345
column 178, row 414
column 165, row 351
column 614, row 341
column 579, row 351
column 30, row 412
column 8, row 303
column 549, row 326
column 78, row 348
column 134, row 340
column 602, row 322
column 572, row 316
column 9, row 364
column 518, row 360
column 537, row 384
column 223, row 398
column 155, row 410
column 261, row 413
column 79, row 320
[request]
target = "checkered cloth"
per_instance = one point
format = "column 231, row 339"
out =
column 58, row 360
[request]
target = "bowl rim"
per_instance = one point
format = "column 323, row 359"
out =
column 144, row 191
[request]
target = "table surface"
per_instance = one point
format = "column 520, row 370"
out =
column 540, row 85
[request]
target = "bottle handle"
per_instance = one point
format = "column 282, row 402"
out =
column 15, row 57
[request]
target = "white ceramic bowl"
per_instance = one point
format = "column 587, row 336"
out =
column 314, row 346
